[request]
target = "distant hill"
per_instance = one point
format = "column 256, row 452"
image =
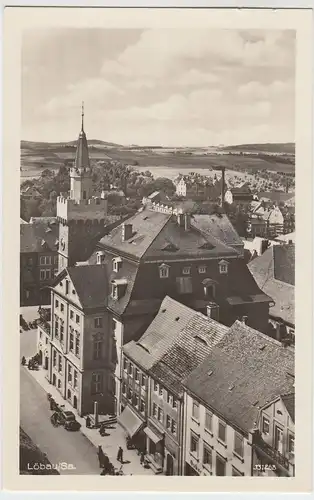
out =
column 286, row 147
column 53, row 145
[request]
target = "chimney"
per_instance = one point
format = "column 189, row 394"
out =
column 213, row 311
column 127, row 231
column 223, row 183
column 187, row 222
column 245, row 319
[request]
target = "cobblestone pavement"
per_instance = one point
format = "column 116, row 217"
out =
column 109, row 443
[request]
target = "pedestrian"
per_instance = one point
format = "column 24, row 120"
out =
column 100, row 454
column 23, row 360
column 120, row 455
column 142, row 460
column 88, row 422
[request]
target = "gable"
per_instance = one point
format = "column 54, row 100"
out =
column 60, row 287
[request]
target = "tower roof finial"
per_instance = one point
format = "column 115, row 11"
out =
column 82, row 116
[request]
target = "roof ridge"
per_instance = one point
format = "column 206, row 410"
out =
column 158, row 233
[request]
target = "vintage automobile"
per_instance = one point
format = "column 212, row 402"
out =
column 66, row 419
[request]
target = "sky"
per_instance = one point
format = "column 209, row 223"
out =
column 168, row 87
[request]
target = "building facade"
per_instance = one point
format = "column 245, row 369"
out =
column 38, row 260
column 273, row 440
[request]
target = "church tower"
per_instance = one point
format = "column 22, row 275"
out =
column 81, row 215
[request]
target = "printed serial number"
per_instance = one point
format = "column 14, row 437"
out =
column 265, row 467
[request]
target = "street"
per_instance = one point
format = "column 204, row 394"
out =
column 59, row 445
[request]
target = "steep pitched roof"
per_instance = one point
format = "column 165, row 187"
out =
column 274, row 273
column 82, row 156
column 242, row 373
column 160, row 334
column 220, row 227
column 38, row 237
column 91, row 284
column 192, row 344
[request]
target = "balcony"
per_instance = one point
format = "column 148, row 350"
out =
column 273, row 455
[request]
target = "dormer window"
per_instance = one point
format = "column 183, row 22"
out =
column 116, row 264
column 100, row 257
column 164, row 271
column 223, row 267
column 118, row 288
column 186, row 270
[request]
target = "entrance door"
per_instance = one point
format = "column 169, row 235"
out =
column 278, row 439
column 169, row 465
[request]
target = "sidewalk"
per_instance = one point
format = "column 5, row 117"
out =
column 110, row 444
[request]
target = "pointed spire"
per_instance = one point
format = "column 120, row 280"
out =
column 82, row 129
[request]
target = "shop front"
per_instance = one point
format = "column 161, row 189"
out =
column 155, row 449
column 133, row 427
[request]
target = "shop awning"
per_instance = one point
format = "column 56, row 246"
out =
column 130, row 421
column 153, row 435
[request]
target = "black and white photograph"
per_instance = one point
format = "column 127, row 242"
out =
column 157, row 251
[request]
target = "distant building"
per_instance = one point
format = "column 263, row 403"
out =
column 39, row 241
column 274, row 272
column 30, row 193
column 155, row 197
column 225, row 399
column 240, row 195
column 193, row 188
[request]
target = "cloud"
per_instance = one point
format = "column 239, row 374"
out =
column 257, row 90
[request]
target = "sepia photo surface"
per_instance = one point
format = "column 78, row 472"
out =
column 158, row 295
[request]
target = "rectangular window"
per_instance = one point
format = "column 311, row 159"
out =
column 98, row 323
column 56, row 327
column 71, row 314
column 96, row 383
column 77, row 345
column 142, row 406
column 164, row 271
column 220, row 466
column 155, row 386
column 173, row 427
column 60, row 364
column 208, row 421
column 278, row 439
column 174, row 403
column 77, row 319
column 196, row 410
column 238, row 444
column 168, row 422
column 55, row 259
column 160, row 414
column 130, row 370
column 61, row 331
column 222, row 431
column 62, row 307
column 125, row 364
column 57, row 304
column 265, row 426
column 160, row 392
column 45, row 261
column 75, row 379
column 169, row 398
column 186, row 270
column 136, row 374
column 143, row 381
column 155, row 410
column 55, row 272
column 194, row 443
column 130, row 394
column 67, row 286
column 207, row 456
column 124, row 388
column 97, row 349
column 202, row 269
column 45, row 274
column 71, row 345
column 135, row 400
column 70, row 374
column 291, row 444
column 54, row 359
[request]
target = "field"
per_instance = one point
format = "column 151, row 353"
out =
column 163, row 162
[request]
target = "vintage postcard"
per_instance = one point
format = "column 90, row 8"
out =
column 157, row 249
